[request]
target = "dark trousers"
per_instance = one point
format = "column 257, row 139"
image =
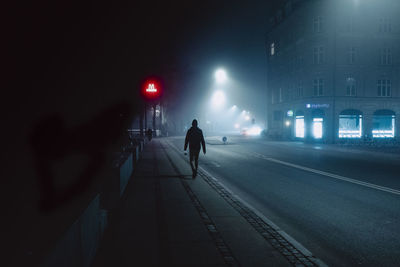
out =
column 194, row 155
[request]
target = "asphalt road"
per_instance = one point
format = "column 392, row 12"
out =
column 341, row 204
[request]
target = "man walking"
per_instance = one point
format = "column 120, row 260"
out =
column 195, row 138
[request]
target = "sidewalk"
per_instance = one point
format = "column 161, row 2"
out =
column 166, row 218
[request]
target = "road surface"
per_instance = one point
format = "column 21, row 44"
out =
column 341, row 204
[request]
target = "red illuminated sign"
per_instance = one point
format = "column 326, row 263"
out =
column 151, row 89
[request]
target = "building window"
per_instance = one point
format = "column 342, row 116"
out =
column 299, row 61
column 351, row 56
column 318, row 87
column 278, row 115
column 386, row 56
column 384, row 88
column 272, row 49
column 300, row 89
column 351, row 87
column 293, row 94
column 385, row 25
column 272, row 97
column 318, row 55
column 317, row 24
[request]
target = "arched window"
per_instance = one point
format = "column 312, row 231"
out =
column 350, row 124
column 383, row 124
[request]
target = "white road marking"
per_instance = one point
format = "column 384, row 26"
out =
column 335, row 176
column 289, row 238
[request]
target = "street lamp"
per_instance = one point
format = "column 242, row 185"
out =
column 220, row 76
column 218, row 99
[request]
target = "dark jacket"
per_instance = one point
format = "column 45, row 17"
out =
column 194, row 137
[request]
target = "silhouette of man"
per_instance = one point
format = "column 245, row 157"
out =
column 149, row 134
column 195, row 138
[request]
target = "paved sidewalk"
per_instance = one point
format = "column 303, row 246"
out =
column 166, row 218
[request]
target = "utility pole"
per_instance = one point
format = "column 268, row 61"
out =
column 141, row 123
column 154, row 117
column 145, row 116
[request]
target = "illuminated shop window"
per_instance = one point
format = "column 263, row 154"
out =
column 300, row 126
column 272, row 49
column 318, row 128
column 383, row 124
column 350, row 126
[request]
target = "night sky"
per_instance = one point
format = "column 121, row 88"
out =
column 68, row 64
column 88, row 54
column 76, row 59
column 73, row 72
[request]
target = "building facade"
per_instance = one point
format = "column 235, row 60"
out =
column 333, row 70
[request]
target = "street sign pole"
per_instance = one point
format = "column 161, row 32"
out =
column 145, row 116
column 141, row 123
column 154, row 117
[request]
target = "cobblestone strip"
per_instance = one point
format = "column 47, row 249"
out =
column 295, row 256
column 290, row 252
column 210, row 225
column 164, row 250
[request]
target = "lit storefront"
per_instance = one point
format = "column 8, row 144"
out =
column 299, row 125
column 350, row 124
column 336, row 95
column 318, row 128
column 383, row 124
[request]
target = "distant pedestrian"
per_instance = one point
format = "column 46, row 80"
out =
column 149, row 134
column 195, row 139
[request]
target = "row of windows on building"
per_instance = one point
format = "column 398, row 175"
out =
column 384, row 89
column 385, row 55
column 350, row 124
column 384, row 25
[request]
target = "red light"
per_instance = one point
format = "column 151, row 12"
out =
column 151, row 89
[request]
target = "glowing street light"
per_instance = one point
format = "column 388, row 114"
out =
column 218, row 99
column 220, row 76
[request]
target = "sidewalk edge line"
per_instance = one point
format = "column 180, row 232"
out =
column 290, row 239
